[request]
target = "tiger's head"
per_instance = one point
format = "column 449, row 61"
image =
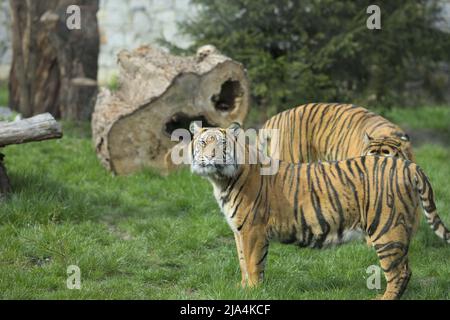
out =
column 213, row 151
column 387, row 146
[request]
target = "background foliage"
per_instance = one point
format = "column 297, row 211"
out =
column 321, row 50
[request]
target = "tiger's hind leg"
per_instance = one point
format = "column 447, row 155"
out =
column 393, row 255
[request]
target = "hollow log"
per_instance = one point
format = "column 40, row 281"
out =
column 158, row 93
column 37, row 128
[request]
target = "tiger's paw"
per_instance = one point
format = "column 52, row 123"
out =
column 248, row 285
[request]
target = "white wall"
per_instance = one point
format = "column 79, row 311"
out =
column 126, row 24
column 123, row 24
column 5, row 41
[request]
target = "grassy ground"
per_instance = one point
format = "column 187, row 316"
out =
column 149, row 237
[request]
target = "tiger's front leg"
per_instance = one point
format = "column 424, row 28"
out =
column 242, row 264
column 254, row 247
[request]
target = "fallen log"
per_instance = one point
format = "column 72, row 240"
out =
column 37, row 128
column 159, row 93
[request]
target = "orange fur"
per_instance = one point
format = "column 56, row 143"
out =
column 319, row 204
column 321, row 131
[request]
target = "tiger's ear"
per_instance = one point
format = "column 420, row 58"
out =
column 194, row 127
column 402, row 136
column 235, row 128
column 367, row 138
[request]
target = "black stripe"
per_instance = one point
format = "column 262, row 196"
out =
column 379, row 197
column 325, row 227
column 263, row 257
column 296, row 193
column 236, row 208
column 257, row 201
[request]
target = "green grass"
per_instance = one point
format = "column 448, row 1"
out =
column 3, row 93
column 148, row 237
column 436, row 118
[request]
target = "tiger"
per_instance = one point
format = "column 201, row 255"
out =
column 316, row 204
column 322, row 131
column 387, row 146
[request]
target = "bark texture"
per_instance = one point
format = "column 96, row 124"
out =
column 54, row 69
column 37, row 128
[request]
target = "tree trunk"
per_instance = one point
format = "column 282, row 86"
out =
column 159, row 93
column 49, row 59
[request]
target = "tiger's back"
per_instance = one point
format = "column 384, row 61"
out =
column 321, row 131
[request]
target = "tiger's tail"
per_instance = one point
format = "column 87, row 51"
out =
column 427, row 197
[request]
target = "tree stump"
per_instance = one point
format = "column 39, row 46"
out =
column 5, row 184
column 54, row 68
column 159, row 93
